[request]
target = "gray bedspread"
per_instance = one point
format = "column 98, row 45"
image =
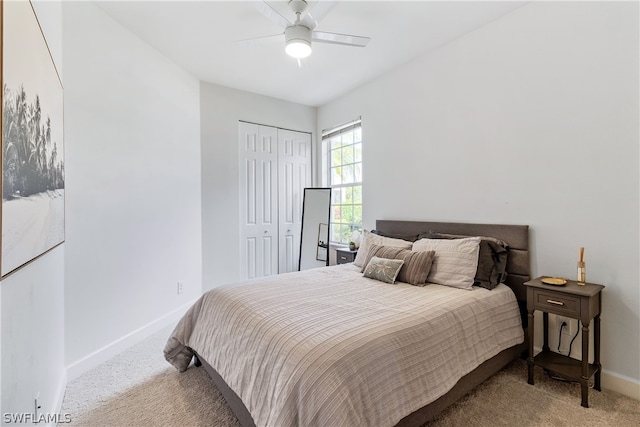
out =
column 328, row 347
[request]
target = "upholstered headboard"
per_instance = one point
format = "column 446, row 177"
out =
column 517, row 236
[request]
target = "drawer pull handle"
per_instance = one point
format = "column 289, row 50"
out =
column 550, row 301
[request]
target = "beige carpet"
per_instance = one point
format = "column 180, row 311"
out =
column 138, row 388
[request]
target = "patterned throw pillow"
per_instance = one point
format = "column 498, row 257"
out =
column 383, row 269
column 456, row 260
column 369, row 239
column 416, row 264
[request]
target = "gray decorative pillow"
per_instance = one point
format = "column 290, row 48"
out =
column 383, row 269
column 416, row 264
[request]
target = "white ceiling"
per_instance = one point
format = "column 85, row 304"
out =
column 201, row 37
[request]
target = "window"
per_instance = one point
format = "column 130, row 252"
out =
column 342, row 147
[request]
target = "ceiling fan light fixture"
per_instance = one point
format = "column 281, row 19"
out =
column 298, row 41
column 298, row 48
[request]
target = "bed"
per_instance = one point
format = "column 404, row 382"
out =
column 330, row 347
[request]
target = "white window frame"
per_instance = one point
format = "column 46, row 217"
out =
column 327, row 136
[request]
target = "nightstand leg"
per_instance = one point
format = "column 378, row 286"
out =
column 584, row 378
column 530, row 357
column 545, row 331
column 596, row 352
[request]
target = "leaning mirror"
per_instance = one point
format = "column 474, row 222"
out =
column 314, row 241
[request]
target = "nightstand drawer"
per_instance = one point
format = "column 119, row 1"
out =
column 557, row 303
column 344, row 256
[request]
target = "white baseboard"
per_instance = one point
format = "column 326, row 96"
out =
column 77, row 368
column 621, row 384
column 613, row 381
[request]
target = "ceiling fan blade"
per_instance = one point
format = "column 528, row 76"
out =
column 343, row 39
column 317, row 13
column 271, row 14
column 258, row 41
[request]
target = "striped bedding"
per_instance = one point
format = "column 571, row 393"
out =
column 328, row 347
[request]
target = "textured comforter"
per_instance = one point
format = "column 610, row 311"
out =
column 328, row 347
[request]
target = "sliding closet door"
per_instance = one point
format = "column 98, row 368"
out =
column 258, row 200
column 294, row 174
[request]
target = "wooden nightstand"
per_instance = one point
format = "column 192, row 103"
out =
column 345, row 255
column 578, row 302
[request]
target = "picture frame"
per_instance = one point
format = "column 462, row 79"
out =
column 32, row 213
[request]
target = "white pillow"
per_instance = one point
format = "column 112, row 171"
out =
column 368, row 239
column 455, row 263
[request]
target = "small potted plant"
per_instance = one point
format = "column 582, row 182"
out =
column 352, row 246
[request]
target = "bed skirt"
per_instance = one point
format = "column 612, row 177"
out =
column 415, row 419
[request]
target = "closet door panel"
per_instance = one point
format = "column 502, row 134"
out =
column 258, row 200
column 294, row 174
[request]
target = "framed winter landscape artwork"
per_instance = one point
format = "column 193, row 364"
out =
column 32, row 212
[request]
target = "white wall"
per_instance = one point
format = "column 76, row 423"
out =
column 532, row 119
column 133, row 187
column 33, row 336
column 32, row 306
column 221, row 109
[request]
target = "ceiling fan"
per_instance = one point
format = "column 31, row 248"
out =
column 299, row 34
